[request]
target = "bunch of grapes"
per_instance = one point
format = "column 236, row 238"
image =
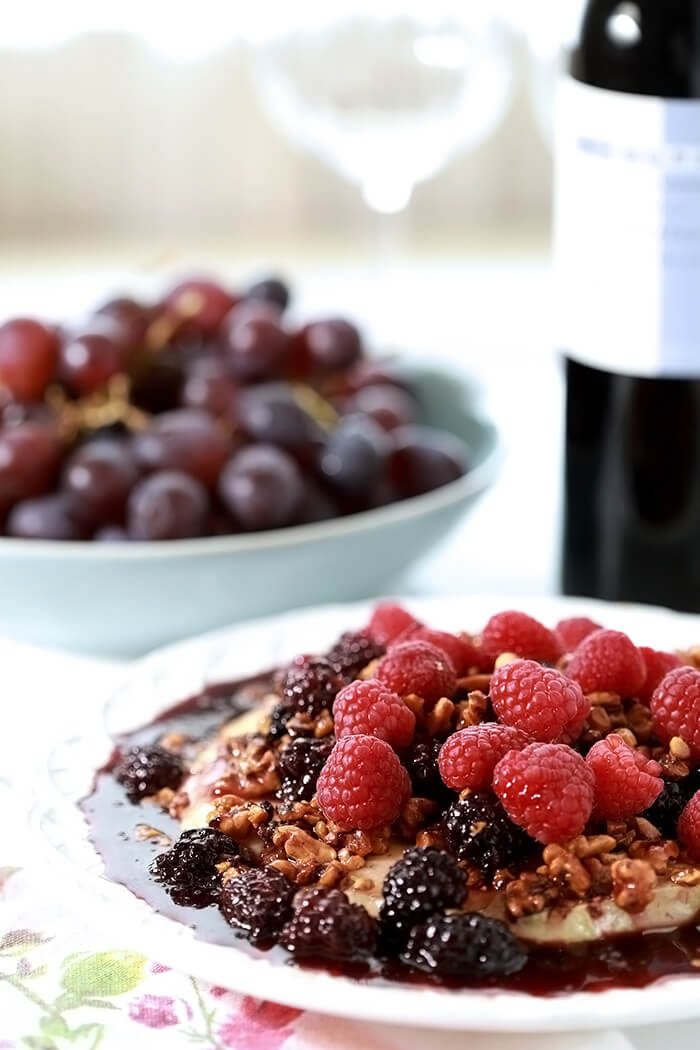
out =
column 231, row 420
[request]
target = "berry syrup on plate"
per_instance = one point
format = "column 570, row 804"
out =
column 420, row 806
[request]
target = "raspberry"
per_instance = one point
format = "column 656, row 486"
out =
column 387, row 621
column 626, row 783
column 665, row 812
column 417, row 667
column 362, row 784
column 351, row 653
column 470, row 945
column 256, row 902
column 547, row 789
column 607, row 661
column 423, row 882
column 657, row 665
column 462, row 652
column 540, row 701
column 309, row 685
column 570, row 633
column 468, row 758
column 479, row 830
column 326, row 925
column 516, row 632
column 188, row 868
column 145, row 770
column 675, row 708
column 299, row 766
column 370, row 709
column 689, row 826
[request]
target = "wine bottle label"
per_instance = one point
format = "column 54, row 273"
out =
column 627, row 231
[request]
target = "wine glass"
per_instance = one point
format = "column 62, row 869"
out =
column 385, row 94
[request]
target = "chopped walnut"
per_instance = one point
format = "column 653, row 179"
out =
column 633, row 884
column 434, row 836
column 686, row 877
column 659, row 854
column 252, row 771
column 646, row 829
column 473, row 682
column 599, row 720
column 470, row 712
column 528, row 895
column 561, row 865
column 591, row 845
column 232, row 816
column 416, row 813
column 147, row 833
column 604, row 699
column 174, row 742
column 301, row 847
column 324, row 725
column 639, row 721
column 164, row 798
column 438, row 722
column 504, row 659
column 416, row 704
column 368, row 671
column 627, row 735
column 673, row 768
column 678, row 748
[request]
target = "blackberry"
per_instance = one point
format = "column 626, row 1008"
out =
column 421, row 763
column 326, row 925
column 424, row 882
column 257, row 902
column 145, row 770
column 667, row 808
column 188, row 869
column 480, row 831
column 309, row 686
column 469, row 945
column 351, row 653
column 278, row 722
column 299, row 765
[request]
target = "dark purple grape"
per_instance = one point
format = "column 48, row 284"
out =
column 111, row 534
column 28, row 358
column 355, row 455
column 99, row 476
column 270, row 290
column 49, row 517
column 424, row 458
column 316, row 505
column 209, row 387
column 29, row 458
column 332, row 344
column 269, row 414
column 168, row 505
column 262, row 487
column 255, row 343
column 390, row 406
column 88, row 361
column 185, row 440
column 157, row 380
column 201, row 303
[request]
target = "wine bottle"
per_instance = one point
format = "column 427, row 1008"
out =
column 627, row 265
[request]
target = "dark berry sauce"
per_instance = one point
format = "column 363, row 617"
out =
column 632, row 961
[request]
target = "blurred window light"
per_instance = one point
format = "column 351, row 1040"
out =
column 182, row 31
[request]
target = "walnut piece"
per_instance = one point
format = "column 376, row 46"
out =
column 633, row 884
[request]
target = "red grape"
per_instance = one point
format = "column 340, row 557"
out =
column 111, row 534
column 28, row 358
column 425, row 458
column 390, row 406
column 268, row 413
column 168, row 505
column 210, row 388
column 45, row 518
column 201, row 303
column 331, row 344
column 130, row 320
column 100, row 475
column 87, row 361
column 184, row 440
column 29, row 458
column 262, row 487
column 255, row 342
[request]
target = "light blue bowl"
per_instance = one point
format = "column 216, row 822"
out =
column 124, row 599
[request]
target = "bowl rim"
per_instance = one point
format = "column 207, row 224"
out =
column 475, row 481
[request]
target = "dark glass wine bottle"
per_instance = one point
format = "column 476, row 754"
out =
column 627, row 263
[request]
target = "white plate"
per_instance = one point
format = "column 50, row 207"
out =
column 183, row 669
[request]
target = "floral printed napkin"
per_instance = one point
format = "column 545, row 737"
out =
column 64, row 984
